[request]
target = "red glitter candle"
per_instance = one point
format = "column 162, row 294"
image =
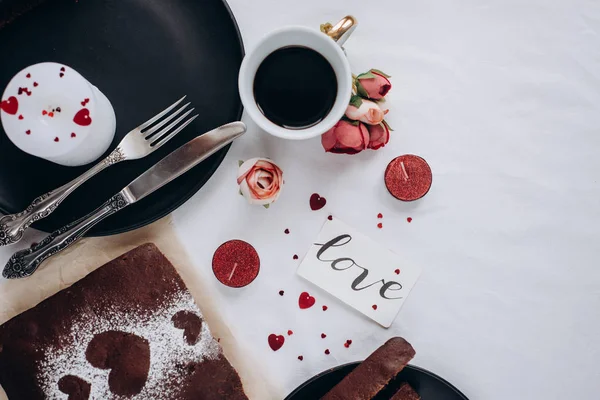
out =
column 236, row 263
column 408, row 177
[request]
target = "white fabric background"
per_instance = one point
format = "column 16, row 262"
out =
column 502, row 97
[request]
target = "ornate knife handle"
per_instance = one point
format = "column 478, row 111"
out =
column 13, row 226
column 26, row 262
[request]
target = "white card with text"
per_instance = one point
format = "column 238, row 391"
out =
column 359, row 271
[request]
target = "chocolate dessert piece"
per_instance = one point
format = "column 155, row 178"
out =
column 406, row 392
column 373, row 374
column 129, row 330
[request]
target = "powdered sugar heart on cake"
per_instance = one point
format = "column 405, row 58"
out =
column 63, row 119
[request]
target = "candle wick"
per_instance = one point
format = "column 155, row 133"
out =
column 404, row 170
column 232, row 271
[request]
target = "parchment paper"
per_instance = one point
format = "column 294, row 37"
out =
column 74, row 263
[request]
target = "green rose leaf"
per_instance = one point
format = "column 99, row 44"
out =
column 266, row 205
column 240, row 162
column 366, row 75
column 380, row 72
column 356, row 101
column 387, row 125
column 361, row 90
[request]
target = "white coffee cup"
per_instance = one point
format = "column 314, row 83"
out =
column 329, row 44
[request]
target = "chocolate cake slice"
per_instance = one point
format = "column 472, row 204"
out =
column 129, row 330
column 406, row 392
column 373, row 374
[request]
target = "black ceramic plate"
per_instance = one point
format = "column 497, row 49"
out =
column 143, row 55
column 428, row 385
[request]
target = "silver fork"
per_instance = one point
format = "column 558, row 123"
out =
column 138, row 143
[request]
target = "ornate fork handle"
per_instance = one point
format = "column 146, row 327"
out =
column 26, row 262
column 13, row 226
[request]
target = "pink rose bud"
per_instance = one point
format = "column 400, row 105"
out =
column 379, row 135
column 373, row 84
column 260, row 181
column 366, row 111
column 346, row 138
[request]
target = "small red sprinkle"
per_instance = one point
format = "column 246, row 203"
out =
column 28, row 131
column 295, row 256
column 51, row 114
column 330, row 217
column 28, row 75
column 290, row 332
column 73, row 134
column 397, row 271
column 300, row 358
column 61, row 74
column 62, row 69
column 20, row 117
column 409, row 220
column 380, row 215
column 287, row 231
column 281, row 292
column 349, row 342
column 35, row 84
column 380, row 225
column 323, row 336
column 56, row 139
column 374, row 306
column 346, row 345
column 327, row 351
column 324, row 308
column 44, row 112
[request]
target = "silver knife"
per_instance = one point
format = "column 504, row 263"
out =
column 25, row 262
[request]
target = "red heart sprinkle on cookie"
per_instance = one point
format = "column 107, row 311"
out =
column 20, row 116
column 82, row 117
column 290, row 332
column 73, row 134
column 28, row 131
column 397, row 271
column 324, row 308
column 330, row 218
column 306, row 300
column 374, row 306
column 380, row 215
column 300, row 358
column 281, row 292
column 276, row 341
column 35, row 84
column 295, row 256
column 323, row 336
column 380, row 225
column 409, row 220
column 28, row 76
column 56, row 139
column 327, row 351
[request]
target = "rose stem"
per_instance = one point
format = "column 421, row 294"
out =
column 232, row 271
column 404, row 170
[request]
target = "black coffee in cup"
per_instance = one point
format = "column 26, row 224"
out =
column 295, row 87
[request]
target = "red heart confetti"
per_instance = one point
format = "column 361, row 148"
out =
column 10, row 105
column 58, row 109
column 306, row 300
column 28, row 131
column 35, row 84
column 397, row 271
column 56, row 139
column 51, row 114
column 374, row 306
column 300, row 358
column 380, row 225
column 290, row 332
column 409, row 220
column 323, row 336
column 73, row 134
column 281, row 292
column 330, row 218
column 380, row 215
column 327, row 351
column 28, row 76
column 295, row 256
column 287, row 231
column 348, row 343
column 61, row 74
column 82, row 117
column 20, row 116
column 62, row 69
column 276, row 341
column 44, row 112
column 324, row 308
column 317, row 202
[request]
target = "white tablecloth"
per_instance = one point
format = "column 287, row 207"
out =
column 502, row 97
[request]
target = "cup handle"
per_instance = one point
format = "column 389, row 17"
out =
column 341, row 31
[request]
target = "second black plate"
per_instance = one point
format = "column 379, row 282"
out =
column 428, row 385
column 143, row 55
